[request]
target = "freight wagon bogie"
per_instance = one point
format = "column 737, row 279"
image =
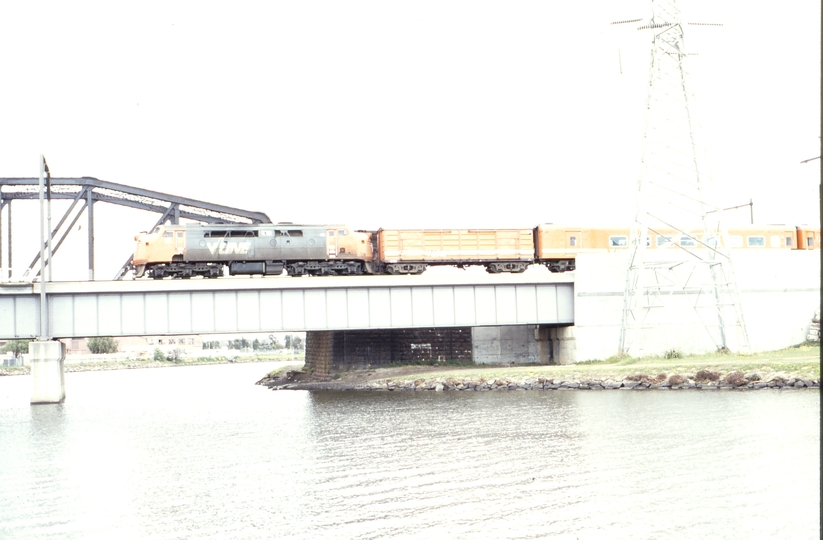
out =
column 516, row 267
column 555, row 266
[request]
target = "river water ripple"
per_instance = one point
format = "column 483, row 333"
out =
column 200, row 452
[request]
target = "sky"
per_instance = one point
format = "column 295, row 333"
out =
column 425, row 114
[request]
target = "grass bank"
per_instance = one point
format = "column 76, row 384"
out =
column 802, row 361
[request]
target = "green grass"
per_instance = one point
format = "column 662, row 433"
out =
column 801, row 360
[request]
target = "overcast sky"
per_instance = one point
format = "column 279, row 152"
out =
column 401, row 114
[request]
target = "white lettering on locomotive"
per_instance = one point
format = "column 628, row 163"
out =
column 223, row 247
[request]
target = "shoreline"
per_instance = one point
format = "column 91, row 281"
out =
column 796, row 367
column 735, row 380
column 147, row 364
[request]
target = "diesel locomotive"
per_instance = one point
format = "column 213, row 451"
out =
column 185, row 251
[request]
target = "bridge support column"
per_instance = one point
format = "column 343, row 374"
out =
column 339, row 350
column 47, row 371
column 544, row 344
column 319, row 353
column 564, row 346
column 526, row 344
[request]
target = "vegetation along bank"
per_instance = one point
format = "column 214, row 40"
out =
column 797, row 367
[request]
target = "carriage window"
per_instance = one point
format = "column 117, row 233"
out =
column 735, row 241
column 572, row 241
column 757, row 241
column 663, row 241
column 687, row 241
column 648, row 241
column 710, row 241
column 618, row 241
column 774, row 241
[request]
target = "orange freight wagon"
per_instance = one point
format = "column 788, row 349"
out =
column 410, row 251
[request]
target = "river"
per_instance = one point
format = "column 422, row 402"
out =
column 201, row 452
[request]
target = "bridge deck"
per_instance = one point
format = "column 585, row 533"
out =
column 229, row 305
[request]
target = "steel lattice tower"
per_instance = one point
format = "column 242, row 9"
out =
column 690, row 270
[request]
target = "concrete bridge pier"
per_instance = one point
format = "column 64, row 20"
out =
column 47, row 371
column 339, row 350
column 564, row 344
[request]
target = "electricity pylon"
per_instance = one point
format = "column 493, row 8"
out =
column 689, row 270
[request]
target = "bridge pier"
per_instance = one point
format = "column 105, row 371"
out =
column 338, row 350
column 564, row 344
column 47, row 371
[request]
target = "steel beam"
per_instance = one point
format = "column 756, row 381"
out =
column 255, row 217
column 175, row 307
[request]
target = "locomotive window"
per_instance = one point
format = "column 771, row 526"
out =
column 179, row 234
column 789, row 241
column 618, row 241
column 243, row 234
column 342, row 232
column 572, row 241
column 774, row 241
column 757, row 241
column 295, row 233
column 810, row 241
column 214, row 234
column 167, row 234
column 331, row 233
column 687, row 241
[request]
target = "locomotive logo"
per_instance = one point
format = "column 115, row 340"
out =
column 222, row 247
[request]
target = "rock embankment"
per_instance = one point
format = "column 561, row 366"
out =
column 702, row 380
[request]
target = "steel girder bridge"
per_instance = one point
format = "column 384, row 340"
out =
column 83, row 193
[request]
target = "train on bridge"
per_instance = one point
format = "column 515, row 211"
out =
column 185, row 251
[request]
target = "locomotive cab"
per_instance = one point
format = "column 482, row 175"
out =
column 164, row 243
column 344, row 243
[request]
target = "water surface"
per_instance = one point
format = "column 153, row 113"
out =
column 201, row 452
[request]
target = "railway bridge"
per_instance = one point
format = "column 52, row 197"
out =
column 488, row 315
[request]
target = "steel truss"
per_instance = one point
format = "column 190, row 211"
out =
column 84, row 192
column 690, row 270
